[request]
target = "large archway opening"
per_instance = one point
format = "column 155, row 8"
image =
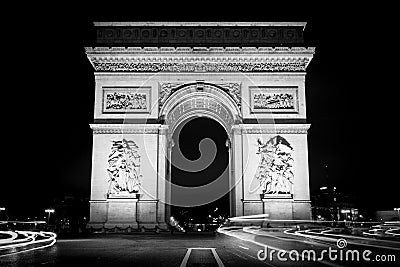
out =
column 200, row 158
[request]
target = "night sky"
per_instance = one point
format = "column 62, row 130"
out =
column 47, row 96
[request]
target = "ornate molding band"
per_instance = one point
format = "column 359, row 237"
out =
column 200, row 59
column 126, row 128
column 271, row 129
column 198, row 50
column 163, row 129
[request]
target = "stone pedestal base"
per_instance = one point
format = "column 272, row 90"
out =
column 302, row 210
column 122, row 213
column 278, row 208
column 126, row 213
column 147, row 214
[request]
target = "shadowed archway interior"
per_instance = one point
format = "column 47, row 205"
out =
column 201, row 137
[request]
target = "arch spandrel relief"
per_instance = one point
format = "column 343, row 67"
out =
column 218, row 101
column 231, row 88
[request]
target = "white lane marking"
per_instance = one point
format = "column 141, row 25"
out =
column 246, row 248
column 217, row 258
column 202, row 248
column 189, row 251
column 186, row 258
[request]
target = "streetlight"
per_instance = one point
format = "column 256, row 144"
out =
column 4, row 209
column 398, row 212
column 49, row 211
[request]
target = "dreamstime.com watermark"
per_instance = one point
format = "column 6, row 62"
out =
column 332, row 254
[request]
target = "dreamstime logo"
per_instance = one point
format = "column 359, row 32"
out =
column 341, row 243
column 156, row 149
column 332, row 254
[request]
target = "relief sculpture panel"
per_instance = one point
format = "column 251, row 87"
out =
column 275, row 169
column 126, row 100
column 124, row 175
column 273, row 100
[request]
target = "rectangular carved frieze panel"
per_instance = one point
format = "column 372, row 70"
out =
column 126, row 99
column 267, row 99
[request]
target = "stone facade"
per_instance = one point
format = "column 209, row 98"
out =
column 143, row 94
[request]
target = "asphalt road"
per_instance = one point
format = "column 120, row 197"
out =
column 235, row 247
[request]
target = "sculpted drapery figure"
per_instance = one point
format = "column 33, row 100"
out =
column 274, row 171
column 124, row 168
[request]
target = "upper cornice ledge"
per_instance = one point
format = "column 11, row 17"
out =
column 196, row 24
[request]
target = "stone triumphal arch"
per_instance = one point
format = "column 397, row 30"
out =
column 152, row 77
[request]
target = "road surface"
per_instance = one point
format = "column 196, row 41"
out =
column 231, row 247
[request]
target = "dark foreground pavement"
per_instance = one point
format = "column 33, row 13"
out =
column 238, row 249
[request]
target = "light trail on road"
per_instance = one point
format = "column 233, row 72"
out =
column 39, row 240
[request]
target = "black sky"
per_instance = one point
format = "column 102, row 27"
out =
column 48, row 94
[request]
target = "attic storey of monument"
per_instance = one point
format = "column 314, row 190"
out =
column 144, row 92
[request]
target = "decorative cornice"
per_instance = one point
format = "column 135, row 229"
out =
column 126, row 128
column 195, row 24
column 271, row 129
column 237, row 129
column 200, row 59
column 199, row 50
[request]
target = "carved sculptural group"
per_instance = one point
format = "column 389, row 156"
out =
column 274, row 171
column 123, row 167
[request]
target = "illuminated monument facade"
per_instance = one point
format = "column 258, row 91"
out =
column 152, row 77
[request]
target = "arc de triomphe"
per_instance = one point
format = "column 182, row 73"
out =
column 151, row 77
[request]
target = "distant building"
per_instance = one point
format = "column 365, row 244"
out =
column 331, row 205
column 71, row 214
column 387, row 215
